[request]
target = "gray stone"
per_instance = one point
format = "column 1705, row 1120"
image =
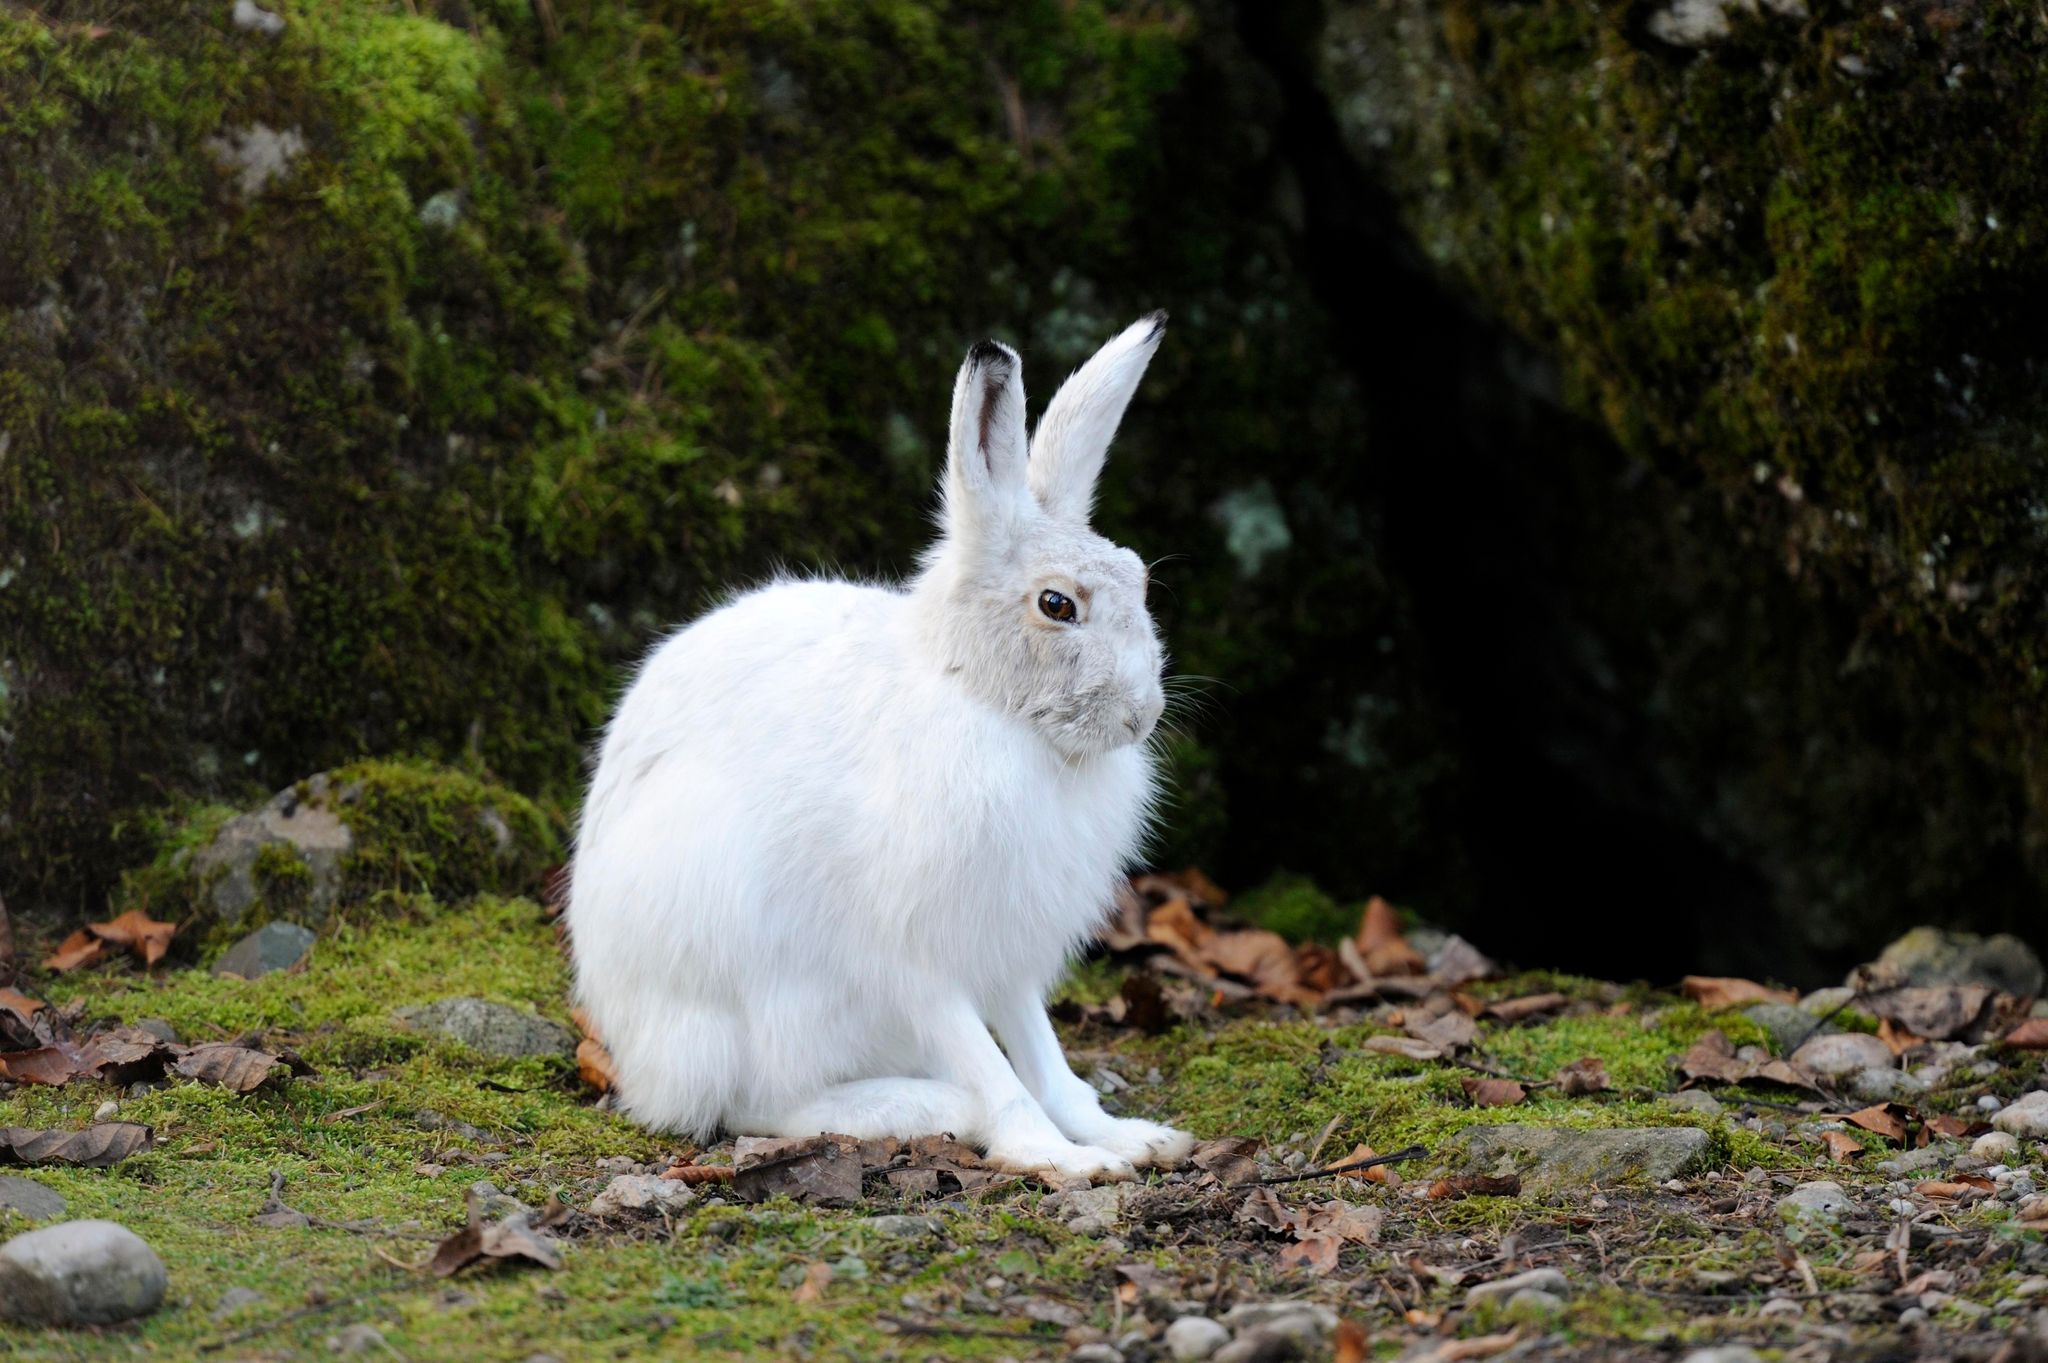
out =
column 1885, row 1084
column 1843, row 1054
column 1790, row 1026
column 2026, row 1118
column 272, row 947
column 1693, row 1100
column 643, row 1194
column 304, row 825
column 79, row 1273
column 1554, row 1159
column 1304, row 1321
column 1500, row 1289
column 1917, row 1161
column 1096, row 1353
column 158, row 1028
column 1819, row 1201
column 1193, row 1338
column 1823, row 1002
column 1702, row 23
column 30, row 1200
column 1997, row 1146
column 1932, row 956
column 495, row 1029
column 1092, row 1211
column 906, row 1227
column 1725, row 1353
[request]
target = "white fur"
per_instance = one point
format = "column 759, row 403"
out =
column 841, row 839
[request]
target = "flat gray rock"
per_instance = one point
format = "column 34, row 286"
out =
column 1823, row 1200
column 307, row 828
column 29, row 1199
column 1558, row 1159
column 495, row 1029
column 272, row 947
column 79, row 1273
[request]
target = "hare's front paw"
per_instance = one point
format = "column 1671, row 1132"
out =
column 1141, row 1142
column 1062, row 1161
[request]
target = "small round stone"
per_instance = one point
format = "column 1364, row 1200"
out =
column 79, row 1273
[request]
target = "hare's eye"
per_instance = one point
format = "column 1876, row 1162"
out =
column 1055, row 606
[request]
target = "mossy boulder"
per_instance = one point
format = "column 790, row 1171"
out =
column 344, row 841
column 1780, row 269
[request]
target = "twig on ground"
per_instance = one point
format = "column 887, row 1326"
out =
column 1412, row 1152
column 938, row 1328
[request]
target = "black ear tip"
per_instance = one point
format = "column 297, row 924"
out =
column 1158, row 321
column 987, row 353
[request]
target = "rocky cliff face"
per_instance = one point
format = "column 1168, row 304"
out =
column 1781, row 271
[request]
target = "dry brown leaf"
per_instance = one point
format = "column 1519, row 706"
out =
column 235, row 1068
column 1459, row 962
column 1263, row 958
column 1714, row 1057
column 96, row 1147
column 1407, row 1047
column 1898, row 1038
column 1715, row 992
column 1354, row 1345
column 817, row 1275
column 1479, row 1346
column 81, row 948
column 1955, row 1185
column 823, row 1170
column 1448, row 1032
column 1376, row 1174
column 1950, row 1128
column 694, row 1174
column 511, row 1239
column 1475, row 1185
column 2030, row 1035
column 139, row 933
column 1145, row 1006
column 1492, row 1092
column 1382, row 944
column 1888, row 1120
column 1228, row 1160
column 1583, row 1076
column 19, row 1005
column 1319, row 968
column 52, row 1065
column 1842, row 1147
column 1528, row 1006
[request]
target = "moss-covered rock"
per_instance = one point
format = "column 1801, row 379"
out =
column 375, row 837
column 1790, row 271
column 387, row 382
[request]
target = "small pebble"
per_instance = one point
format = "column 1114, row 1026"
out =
column 1997, row 1147
column 1989, row 1103
column 1913, row 1315
column 1096, row 1353
column 106, row 1111
column 1192, row 1338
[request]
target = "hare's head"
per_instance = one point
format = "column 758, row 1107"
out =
column 1028, row 606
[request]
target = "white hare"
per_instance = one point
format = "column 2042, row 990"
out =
column 838, row 833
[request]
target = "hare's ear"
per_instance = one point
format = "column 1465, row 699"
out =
column 986, row 449
column 1074, row 434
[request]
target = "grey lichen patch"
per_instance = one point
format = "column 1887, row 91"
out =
column 257, row 154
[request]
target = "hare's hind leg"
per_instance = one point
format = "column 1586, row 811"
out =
column 873, row 1108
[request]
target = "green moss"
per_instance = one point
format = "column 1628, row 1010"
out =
column 1294, row 907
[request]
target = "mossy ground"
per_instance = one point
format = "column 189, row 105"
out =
column 394, row 1128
